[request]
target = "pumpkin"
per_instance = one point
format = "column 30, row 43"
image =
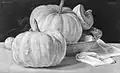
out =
column 37, row 49
column 59, row 18
column 85, row 16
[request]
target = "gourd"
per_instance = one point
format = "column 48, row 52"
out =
column 58, row 18
column 85, row 16
column 37, row 49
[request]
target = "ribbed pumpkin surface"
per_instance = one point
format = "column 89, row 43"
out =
column 37, row 49
column 48, row 17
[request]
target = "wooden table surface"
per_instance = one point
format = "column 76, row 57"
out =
column 68, row 65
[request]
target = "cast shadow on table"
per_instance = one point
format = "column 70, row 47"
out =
column 68, row 63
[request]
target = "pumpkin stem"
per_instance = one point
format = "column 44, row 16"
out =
column 61, row 5
column 36, row 25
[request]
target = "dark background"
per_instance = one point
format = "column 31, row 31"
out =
column 106, row 14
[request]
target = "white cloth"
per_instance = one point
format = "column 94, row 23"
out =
column 100, row 54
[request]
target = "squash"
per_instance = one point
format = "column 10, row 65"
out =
column 37, row 49
column 58, row 18
column 85, row 16
column 8, row 42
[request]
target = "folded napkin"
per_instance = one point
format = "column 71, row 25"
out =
column 100, row 54
column 92, row 60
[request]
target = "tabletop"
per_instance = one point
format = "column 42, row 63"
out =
column 68, row 65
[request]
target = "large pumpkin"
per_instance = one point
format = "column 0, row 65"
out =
column 37, row 49
column 58, row 18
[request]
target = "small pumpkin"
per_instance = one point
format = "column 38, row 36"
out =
column 58, row 18
column 85, row 16
column 37, row 49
